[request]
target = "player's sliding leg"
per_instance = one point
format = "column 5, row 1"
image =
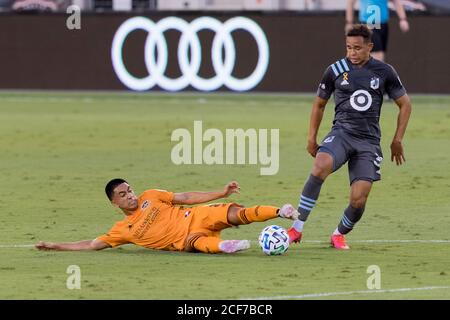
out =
column 323, row 166
column 359, row 192
column 238, row 215
column 216, row 245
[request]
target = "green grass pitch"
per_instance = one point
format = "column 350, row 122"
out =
column 59, row 149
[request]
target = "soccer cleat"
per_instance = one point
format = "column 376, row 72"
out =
column 289, row 212
column 230, row 246
column 294, row 235
column 338, row 242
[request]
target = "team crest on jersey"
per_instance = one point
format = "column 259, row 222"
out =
column 375, row 83
column 145, row 204
column 345, row 79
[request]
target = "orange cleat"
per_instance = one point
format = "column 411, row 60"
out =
column 294, row 235
column 338, row 242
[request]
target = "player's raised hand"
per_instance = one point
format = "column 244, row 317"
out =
column 397, row 152
column 44, row 246
column 404, row 25
column 312, row 147
column 230, row 188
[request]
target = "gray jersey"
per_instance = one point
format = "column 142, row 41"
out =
column 358, row 94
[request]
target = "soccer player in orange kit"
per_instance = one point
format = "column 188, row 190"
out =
column 157, row 219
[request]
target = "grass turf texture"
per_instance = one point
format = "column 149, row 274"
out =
column 59, row 150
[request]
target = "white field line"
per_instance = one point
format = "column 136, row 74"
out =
column 383, row 241
column 7, row 246
column 331, row 294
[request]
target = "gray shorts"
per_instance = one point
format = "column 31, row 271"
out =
column 364, row 156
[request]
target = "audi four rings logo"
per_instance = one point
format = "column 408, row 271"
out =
column 156, row 55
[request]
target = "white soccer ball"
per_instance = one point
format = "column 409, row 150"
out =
column 274, row 240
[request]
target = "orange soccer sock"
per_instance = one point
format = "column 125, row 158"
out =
column 206, row 244
column 257, row 214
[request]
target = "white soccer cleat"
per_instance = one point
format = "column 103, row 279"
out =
column 288, row 212
column 230, row 246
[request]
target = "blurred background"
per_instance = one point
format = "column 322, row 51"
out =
column 68, row 45
column 435, row 6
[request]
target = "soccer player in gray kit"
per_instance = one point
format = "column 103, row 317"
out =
column 359, row 83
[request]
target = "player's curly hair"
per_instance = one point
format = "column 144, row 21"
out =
column 111, row 185
column 360, row 30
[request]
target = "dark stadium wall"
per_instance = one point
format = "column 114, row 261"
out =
column 39, row 52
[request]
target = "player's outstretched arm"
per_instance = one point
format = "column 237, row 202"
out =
column 404, row 105
column 73, row 246
column 201, row 197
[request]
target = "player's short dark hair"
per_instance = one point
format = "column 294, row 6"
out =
column 110, row 186
column 360, row 30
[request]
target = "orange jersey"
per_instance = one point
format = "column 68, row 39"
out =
column 156, row 223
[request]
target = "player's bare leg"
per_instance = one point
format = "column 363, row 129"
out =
column 359, row 192
column 323, row 165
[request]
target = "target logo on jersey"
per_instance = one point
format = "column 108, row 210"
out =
column 361, row 100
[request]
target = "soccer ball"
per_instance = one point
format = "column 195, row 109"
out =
column 274, row 240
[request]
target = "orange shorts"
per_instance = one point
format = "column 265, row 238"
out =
column 211, row 219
